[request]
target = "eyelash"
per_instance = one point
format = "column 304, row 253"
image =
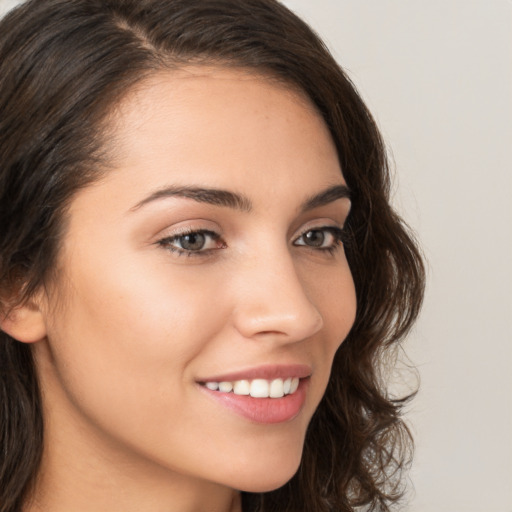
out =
column 338, row 235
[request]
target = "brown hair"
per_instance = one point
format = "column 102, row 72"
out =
column 64, row 65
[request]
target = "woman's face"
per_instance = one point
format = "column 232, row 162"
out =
column 210, row 256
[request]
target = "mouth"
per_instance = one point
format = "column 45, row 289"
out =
column 264, row 395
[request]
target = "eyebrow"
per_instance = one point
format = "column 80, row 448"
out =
column 213, row 196
column 325, row 197
column 225, row 198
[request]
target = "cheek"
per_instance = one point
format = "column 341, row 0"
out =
column 333, row 293
column 126, row 337
column 156, row 310
column 341, row 310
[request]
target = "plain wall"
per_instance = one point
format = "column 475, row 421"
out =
column 437, row 75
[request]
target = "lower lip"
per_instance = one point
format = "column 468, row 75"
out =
column 263, row 410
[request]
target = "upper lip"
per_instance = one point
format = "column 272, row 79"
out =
column 268, row 372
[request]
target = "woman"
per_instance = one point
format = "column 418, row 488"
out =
column 200, row 272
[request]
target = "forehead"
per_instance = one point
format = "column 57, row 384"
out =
column 188, row 85
column 223, row 128
column 232, row 114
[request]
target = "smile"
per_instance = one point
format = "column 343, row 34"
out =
column 257, row 388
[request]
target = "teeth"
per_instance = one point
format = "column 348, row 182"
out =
column 276, row 389
column 225, row 387
column 257, row 388
column 241, row 387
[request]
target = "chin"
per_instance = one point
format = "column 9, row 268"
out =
column 273, row 475
column 267, row 485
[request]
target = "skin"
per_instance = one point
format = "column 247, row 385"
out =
column 130, row 326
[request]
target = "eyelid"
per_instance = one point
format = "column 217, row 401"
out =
column 321, row 225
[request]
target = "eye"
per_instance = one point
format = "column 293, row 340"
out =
column 325, row 238
column 192, row 242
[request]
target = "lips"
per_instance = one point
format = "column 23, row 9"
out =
column 266, row 394
column 268, row 372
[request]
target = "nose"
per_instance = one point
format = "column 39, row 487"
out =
column 272, row 301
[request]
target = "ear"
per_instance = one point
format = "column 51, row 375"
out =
column 25, row 322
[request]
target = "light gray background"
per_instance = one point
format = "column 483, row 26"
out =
column 437, row 75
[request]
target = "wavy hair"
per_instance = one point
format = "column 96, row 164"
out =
column 64, row 66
